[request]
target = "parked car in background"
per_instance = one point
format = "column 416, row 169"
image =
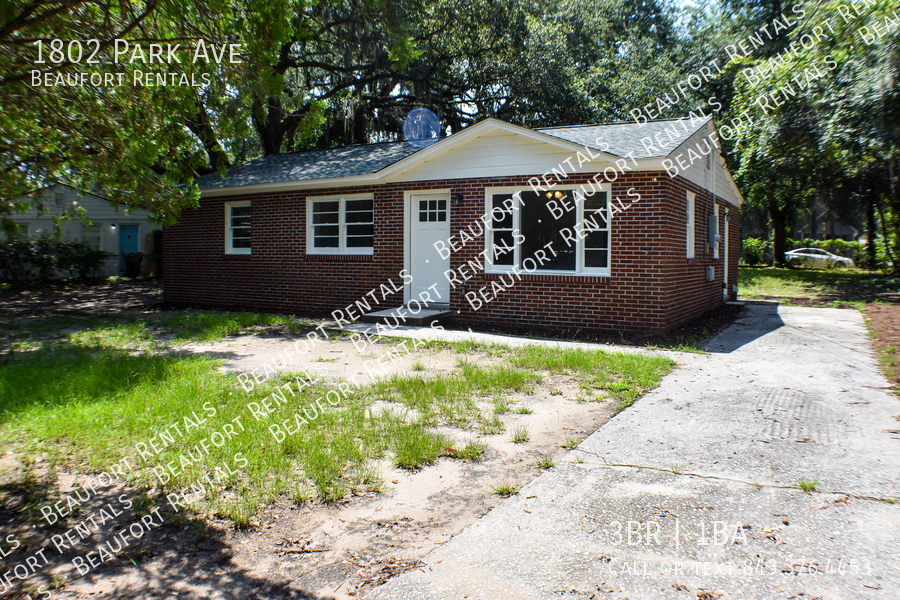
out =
column 813, row 257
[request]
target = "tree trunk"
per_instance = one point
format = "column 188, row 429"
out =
column 885, row 232
column 894, row 204
column 779, row 220
column 871, row 232
column 202, row 127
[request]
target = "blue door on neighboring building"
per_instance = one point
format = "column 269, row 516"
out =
column 128, row 242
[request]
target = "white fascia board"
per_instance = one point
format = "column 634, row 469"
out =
column 280, row 186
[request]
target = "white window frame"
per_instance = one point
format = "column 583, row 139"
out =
column 229, row 239
column 690, row 224
column 716, row 232
column 580, row 269
column 342, row 230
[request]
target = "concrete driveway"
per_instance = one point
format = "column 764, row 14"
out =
column 690, row 492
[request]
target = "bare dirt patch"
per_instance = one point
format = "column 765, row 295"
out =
column 76, row 299
column 335, row 550
column 884, row 325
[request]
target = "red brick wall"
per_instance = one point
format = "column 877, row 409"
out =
column 652, row 287
column 689, row 293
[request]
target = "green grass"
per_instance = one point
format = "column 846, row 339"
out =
column 570, row 443
column 473, row 450
column 520, row 434
column 212, row 326
column 624, row 377
column 451, row 398
column 545, row 461
column 807, row 485
column 501, row 406
column 415, row 447
column 490, row 424
column 106, row 388
column 820, row 287
column 183, row 326
column 506, row 489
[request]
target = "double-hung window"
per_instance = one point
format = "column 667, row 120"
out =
column 340, row 225
column 563, row 231
column 237, row 227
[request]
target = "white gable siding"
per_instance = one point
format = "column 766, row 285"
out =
column 725, row 186
column 697, row 171
column 498, row 154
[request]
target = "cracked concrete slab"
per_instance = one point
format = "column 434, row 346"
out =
column 690, row 492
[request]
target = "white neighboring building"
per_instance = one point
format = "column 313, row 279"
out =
column 111, row 229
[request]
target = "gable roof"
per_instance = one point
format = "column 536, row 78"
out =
column 622, row 139
column 369, row 161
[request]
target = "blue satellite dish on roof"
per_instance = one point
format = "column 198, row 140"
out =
column 421, row 127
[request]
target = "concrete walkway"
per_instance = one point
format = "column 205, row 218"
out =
column 688, row 493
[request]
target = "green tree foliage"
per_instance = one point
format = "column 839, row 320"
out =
column 825, row 119
column 136, row 142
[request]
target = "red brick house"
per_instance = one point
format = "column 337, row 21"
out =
column 590, row 227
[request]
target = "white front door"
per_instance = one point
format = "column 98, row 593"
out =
column 428, row 221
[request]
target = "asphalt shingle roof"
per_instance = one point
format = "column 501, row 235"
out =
column 313, row 164
column 623, row 139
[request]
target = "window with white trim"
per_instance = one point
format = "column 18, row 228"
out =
column 689, row 225
column 340, row 225
column 237, row 227
column 563, row 231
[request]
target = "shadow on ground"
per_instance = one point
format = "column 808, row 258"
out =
column 183, row 557
column 747, row 328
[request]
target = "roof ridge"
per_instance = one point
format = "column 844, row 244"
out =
column 619, row 123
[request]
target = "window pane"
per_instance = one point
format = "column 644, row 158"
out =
column 360, row 242
column 359, row 205
column 326, row 241
column 594, row 201
column 240, row 221
column 240, row 243
column 359, row 217
column 501, row 218
column 240, row 211
column 360, row 230
column 423, row 217
column 332, row 206
column 503, row 248
column 327, row 230
column 240, row 233
column 597, row 240
column 442, row 205
column 596, row 259
column 326, row 218
column 540, row 227
column 442, row 215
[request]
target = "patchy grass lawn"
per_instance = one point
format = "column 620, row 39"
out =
column 816, row 287
column 87, row 393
